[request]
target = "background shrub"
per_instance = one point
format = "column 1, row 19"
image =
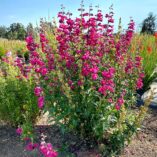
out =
column 2, row 52
column 17, row 100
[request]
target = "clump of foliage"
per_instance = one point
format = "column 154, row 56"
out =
column 16, row 97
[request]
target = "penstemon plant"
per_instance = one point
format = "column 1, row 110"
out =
column 86, row 77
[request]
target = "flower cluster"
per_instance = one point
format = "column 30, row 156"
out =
column 87, row 80
column 19, row 131
column 38, row 92
column 85, row 49
column 107, row 83
column 47, row 150
column 24, row 69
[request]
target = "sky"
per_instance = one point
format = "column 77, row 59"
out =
column 25, row 11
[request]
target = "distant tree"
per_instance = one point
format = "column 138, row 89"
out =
column 21, row 33
column 37, row 30
column 30, row 29
column 149, row 25
column 46, row 25
column 16, row 31
column 3, row 31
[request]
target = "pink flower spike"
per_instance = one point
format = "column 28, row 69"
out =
column 94, row 76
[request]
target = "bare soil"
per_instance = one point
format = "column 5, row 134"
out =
column 142, row 145
column 145, row 143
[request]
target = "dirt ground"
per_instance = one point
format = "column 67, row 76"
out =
column 143, row 145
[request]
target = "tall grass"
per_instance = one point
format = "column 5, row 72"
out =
column 147, row 47
column 12, row 45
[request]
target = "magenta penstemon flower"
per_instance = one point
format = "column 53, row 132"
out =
column 47, row 150
column 94, row 69
column 139, row 84
column 38, row 91
column 142, row 75
column 40, row 102
column 108, row 74
column 19, row 131
column 120, row 101
column 44, row 71
column 79, row 83
column 117, row 106
column 94, row 76
column 31, row 146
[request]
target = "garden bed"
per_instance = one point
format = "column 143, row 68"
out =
column 143, row 145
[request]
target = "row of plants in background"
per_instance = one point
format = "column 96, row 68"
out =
column 147, row 46
column 84, row 75
column 17, row 47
